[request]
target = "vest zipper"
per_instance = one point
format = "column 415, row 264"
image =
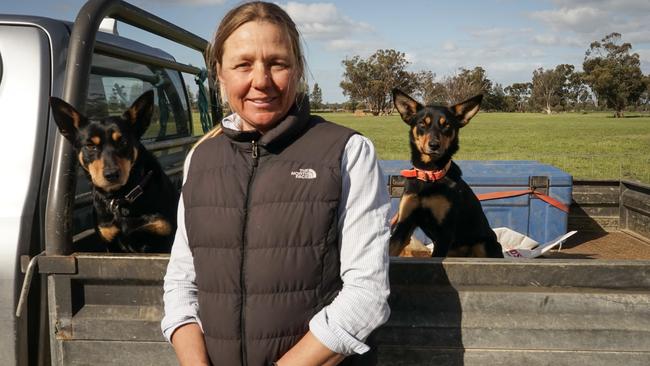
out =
column 255, row 151
column 242, row 279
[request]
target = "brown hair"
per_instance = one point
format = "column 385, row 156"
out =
column 247, row 12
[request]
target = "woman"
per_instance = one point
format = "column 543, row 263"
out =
column 281, row 249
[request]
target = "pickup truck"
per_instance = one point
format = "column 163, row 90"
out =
column 587, row 304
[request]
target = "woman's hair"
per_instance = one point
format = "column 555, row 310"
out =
column 259, row 11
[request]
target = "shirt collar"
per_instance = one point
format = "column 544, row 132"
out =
column 232, row 121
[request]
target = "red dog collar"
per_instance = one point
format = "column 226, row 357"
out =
column 426, row 175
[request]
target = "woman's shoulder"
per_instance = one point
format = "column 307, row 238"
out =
column 209, row 143
column 204, row 151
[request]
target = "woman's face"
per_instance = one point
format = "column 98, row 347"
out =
column 259, row 74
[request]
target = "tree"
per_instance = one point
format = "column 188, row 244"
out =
column 578, row 95
column 518, row 95
column 549, row 87
column 613, row 74
column 543, row 89
column 644, row 100
column 136, row 90
column 371, row 80
column 194, row 104
column 564, row 74
column 495, row 99
column 316, row 97
column 114, row 103
column 461, row 86
column 465, row 84
column 429, row 90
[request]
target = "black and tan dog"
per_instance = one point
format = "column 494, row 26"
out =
column 134, row 200
column 435, row 197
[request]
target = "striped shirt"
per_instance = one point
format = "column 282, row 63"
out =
column 361, row 305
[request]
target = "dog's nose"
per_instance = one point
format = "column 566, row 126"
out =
column 434, row 145
column 112, row 175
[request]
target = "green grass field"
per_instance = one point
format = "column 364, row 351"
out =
column 588, row 146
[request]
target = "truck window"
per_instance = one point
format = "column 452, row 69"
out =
column 114, row 84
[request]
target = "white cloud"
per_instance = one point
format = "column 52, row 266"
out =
column 514, row 67
column 492, row 32
column 556, row 40
column 579, row 22
column 343, row 45
column 312, row 13
column 509, row 63
column 636, row 33
column 449, row 46
column 323, row 21
column 582, row 19
column 537, row 53
column 545, row 39
column 496, row 38
column 625, row 6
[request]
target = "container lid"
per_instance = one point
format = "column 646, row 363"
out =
column 494, row 172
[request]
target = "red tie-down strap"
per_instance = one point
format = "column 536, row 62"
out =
column 506, row 194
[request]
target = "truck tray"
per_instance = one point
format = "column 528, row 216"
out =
column 603, row 245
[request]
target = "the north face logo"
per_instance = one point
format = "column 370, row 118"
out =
column 304, row 174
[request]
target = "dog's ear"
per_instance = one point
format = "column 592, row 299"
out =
column 467, row 109
column 140, row 112
column 405, row 105
column 67, row 118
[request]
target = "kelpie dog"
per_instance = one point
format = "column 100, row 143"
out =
column 435, row 197
column 134, row 200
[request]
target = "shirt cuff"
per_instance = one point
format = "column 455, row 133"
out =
column 169, row 330
column 334, row 337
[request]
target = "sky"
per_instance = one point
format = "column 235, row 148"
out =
column 508, row 38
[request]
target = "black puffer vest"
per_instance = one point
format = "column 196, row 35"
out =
column 261, row 219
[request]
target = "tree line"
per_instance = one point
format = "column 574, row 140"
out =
column 611, row 79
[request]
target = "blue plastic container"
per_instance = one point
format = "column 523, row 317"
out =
column 525, row 214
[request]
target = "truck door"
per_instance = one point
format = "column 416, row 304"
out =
column 24, row 89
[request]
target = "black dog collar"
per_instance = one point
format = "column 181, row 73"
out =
column 116, row 205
